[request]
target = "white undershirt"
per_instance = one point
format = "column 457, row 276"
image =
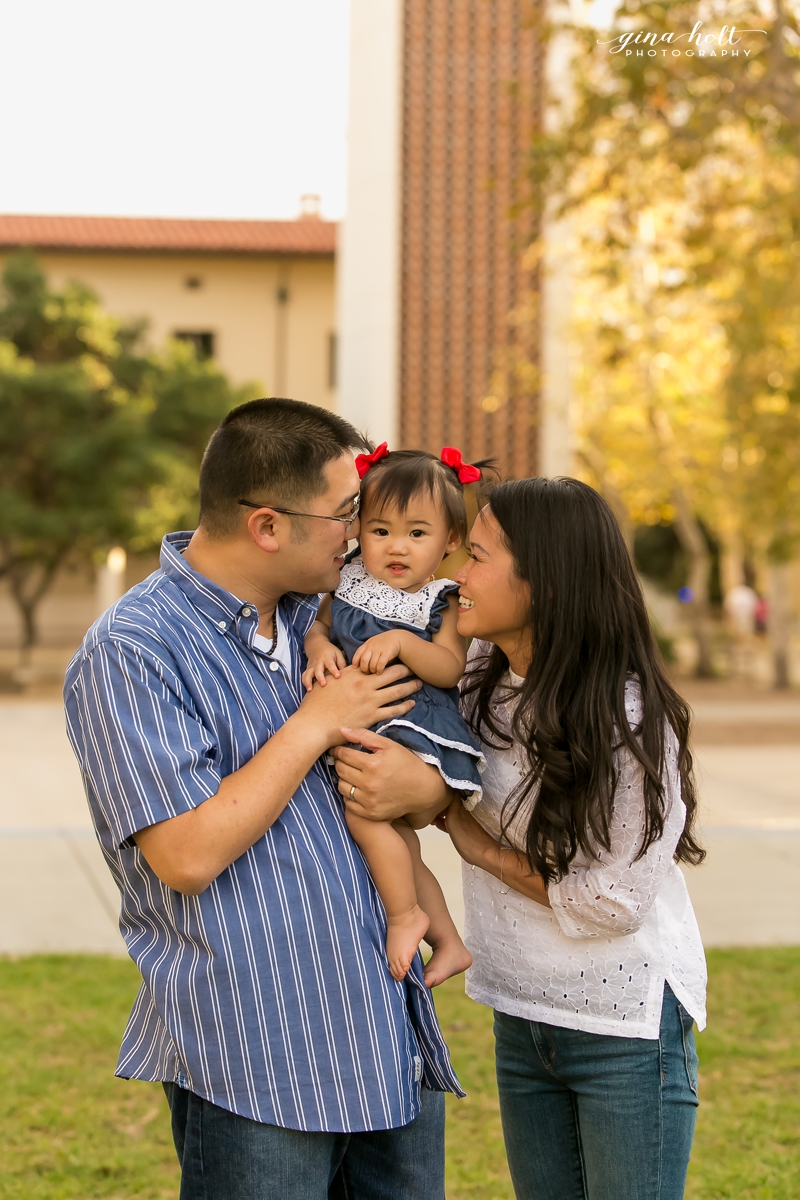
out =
column 618, row 926
column 265, row 645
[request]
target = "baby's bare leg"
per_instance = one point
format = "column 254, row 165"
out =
column 392, row 869
column 450, row 955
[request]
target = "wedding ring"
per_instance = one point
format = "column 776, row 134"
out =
column 352, row 791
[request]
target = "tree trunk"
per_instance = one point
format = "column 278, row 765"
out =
column 779, row 622
column 28, row 583
column 694, row 543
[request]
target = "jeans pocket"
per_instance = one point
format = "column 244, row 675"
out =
column 689, row 1047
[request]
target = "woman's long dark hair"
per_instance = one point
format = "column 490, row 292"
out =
column 590, row 634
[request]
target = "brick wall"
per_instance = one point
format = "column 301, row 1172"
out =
column 471, row 101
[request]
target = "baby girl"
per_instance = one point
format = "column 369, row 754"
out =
column 389, row 607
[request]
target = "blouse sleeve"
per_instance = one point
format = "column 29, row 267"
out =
column 612, row 896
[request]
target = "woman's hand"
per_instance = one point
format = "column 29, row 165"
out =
column 470, row 839
column 373, row 655
column 479, row 849
column 390, row 782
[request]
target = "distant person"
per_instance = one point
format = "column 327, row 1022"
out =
column 295, row 1066
column 741, row 604
column 577, row 916
column 389, row 607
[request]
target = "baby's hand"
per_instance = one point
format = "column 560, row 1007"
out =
column 322, row 661
column 377, row 652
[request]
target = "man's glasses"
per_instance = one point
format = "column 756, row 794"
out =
column 290, row 512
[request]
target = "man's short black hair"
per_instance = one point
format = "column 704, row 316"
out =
column 273, row 450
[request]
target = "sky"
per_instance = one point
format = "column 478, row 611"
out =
column 170, row 108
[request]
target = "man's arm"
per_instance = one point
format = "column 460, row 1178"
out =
column 189, row 851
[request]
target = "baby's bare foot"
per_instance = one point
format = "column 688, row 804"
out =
column 450, row 957
column 403, row 937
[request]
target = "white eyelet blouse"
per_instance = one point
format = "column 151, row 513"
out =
column 618, row 927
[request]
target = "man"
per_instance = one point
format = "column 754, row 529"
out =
column 292, row 1061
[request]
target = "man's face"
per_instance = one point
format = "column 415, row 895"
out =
column 313, row 554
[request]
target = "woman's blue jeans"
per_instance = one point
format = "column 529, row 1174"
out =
column 592, row 1117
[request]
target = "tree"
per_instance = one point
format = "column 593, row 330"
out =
column 94, row 433
column 681, row 176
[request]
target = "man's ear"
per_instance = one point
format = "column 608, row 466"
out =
column 265, row 528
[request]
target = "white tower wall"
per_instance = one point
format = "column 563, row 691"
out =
column 369, row 256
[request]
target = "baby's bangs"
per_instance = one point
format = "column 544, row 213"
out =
column 404, row 474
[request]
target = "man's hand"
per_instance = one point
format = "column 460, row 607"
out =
column 390, row 782
column 375, row 654
column 358, row 699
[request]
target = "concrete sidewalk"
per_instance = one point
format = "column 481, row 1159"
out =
column 56, row 893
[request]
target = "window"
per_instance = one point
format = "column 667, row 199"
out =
column 203, row 342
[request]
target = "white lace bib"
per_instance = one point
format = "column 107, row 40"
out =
column 362, row 590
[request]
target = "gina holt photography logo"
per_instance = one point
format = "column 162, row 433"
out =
column 728, row 42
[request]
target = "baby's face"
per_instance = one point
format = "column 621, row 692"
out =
column 404, row 549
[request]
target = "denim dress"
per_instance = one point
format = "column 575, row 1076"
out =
column 434, row 729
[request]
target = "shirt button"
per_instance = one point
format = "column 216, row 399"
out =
column 273, row 666
column 246, row 612
column 223, row 625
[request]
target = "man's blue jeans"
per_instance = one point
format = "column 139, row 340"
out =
column 227, row 1157
column 591, row 1117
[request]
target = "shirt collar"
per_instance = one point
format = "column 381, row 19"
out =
column 228, row 613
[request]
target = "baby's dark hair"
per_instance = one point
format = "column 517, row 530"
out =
column 403, row 474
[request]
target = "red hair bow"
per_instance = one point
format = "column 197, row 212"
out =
column 365, row 461
column 466, row 472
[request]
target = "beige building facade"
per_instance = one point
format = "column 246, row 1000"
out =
column 257, row 296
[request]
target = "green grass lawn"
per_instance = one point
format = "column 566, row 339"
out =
column 73, row 1132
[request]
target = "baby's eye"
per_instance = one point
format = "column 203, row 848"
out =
column 417, row 533
column 379, row 532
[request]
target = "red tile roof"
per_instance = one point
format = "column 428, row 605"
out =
column 309, row 236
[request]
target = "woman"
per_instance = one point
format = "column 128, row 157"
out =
column 577, row 916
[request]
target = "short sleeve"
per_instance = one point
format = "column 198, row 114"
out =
column 441, row 604
column 144, row 754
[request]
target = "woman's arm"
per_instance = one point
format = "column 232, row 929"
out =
column 610, row 897
column 477, row 847
column 440, row 662
column 613, row 895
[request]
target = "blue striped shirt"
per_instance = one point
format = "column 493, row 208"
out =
column 269, row 994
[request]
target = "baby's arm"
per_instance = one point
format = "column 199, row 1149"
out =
column 440, row 662
column 321, row 653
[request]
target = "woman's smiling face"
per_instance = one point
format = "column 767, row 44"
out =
column 494, row 603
